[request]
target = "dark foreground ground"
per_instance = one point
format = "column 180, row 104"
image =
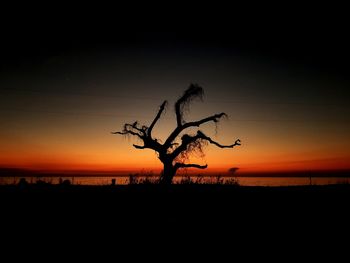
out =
column 291, row 217
column 195, row 204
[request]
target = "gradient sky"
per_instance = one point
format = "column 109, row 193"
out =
column 287, row 99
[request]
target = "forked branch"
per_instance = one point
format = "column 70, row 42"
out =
column 201, row 135
column 128, row 132
column 214, row 118
column 187, row 140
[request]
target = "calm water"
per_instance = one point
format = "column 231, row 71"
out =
column 245, row 181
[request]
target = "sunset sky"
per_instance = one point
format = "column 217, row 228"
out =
column 287, row 98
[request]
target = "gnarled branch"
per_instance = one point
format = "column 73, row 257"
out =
column 161, row 109
column 127, row 132
column 187, row 140
column 214, row 118
column 201, row 135
column 133, row 129
column 142, row 130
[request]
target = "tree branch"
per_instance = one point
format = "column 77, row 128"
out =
column 187, row 140
column 161, row 109
column 190, row 165
column 128, row 132
column 133, row 129
column 178, row 114
column 138, row 146
column 214, row 118
column 201, row 135
column 135, row 126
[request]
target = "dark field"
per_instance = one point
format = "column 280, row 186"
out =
column 167, row 205
column 216, row 219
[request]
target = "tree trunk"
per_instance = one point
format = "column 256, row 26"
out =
column 168, row 173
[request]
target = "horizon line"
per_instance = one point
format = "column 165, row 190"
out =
column 17, row 172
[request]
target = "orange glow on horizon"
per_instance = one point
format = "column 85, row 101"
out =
column 147, row 161
column 85, row 143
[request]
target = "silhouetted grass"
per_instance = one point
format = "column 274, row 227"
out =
column 186, row 179
column 343, row 181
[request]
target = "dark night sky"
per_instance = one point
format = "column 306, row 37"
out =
column 289, row 67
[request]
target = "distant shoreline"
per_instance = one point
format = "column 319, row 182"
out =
column 14, row 172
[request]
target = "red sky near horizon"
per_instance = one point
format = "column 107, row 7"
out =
column 58, row 114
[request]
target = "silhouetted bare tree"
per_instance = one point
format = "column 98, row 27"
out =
column 172, row 154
